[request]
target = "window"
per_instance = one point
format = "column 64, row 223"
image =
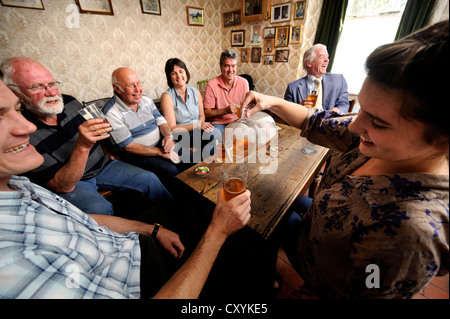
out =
column 368, row 24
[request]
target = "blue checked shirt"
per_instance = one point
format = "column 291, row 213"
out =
column 51, row 249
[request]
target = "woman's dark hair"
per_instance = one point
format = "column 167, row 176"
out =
column 415, row 66
column 170, row 64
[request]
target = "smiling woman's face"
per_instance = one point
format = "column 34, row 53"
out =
column 385, row 134
column 16, row 154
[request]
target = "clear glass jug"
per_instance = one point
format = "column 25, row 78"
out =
column 246, row 136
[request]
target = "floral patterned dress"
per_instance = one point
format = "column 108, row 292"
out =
column 382, row 236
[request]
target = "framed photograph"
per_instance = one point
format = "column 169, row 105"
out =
column 268, row 45
column 237, row 38
column 268, row 59
column 281, row 13
column 244, row 55
column 282, row 36
column 256, row 34
column 295, row 34
column 195, row 16
column 269, row 32
column 281, row 55
column 256, row 55
column 299, row 9
column 151, row 6
column 95, row 6
column 232, row 18
column 254, row 10
column 29, row 4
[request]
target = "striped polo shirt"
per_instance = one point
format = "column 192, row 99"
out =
column 130, row 126
column 56, row 143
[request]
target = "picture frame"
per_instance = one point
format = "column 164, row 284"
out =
column 268, row 45
column 151, row 6
column 268, row 59
column 269, row 32
column 281, row 13
column 232, row 18
column 282, row 55
column 27, row 4
column 244, row 55
column 256, row 34
column 252, row 10
column 295, row 34
column 256, row 55
column 95, row 7
column 237, row 38
column 299, row 10
column 282, row 36
column 195, row 16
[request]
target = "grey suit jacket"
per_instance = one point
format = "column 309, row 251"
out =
column 335, row 91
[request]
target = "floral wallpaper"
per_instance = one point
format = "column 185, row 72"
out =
column 82, row 50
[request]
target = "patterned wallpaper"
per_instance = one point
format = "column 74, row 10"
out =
column 83, row 57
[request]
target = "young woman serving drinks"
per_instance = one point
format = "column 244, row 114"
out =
column 378, row 225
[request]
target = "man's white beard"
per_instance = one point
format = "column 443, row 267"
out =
column 41, row 109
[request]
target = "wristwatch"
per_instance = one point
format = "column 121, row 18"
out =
column 155, row 230
column 171, row 136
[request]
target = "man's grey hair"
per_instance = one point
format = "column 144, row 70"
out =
column 228, row 54
column 6, row 70
column 311, row 53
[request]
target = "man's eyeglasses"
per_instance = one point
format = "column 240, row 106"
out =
column 131, row 85
column 39, row 88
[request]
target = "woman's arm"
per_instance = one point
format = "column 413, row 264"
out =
column 292, row 113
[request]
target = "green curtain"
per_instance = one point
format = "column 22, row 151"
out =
column 330, row 25
column 415, row 17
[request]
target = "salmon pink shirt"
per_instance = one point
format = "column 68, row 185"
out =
column 218, row 97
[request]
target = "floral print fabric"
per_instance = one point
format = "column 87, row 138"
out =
column 396, row 224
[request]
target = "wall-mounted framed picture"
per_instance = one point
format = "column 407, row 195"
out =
column 269, row 32
column 268, row 59
column 244, row 55
column 296, row 31
column 232, row 18
column 256, row 34
column 28, row 4
column 255, row 10
column 151, row 6
column 281, row 13
column 299, row 10
column 256, row 55
column 237, row 38
column 95, row 7
column 282, row 36
column 268, row 45
column 281, row 55
column 195, row 16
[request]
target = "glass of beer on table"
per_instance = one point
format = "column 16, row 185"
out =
column 234, row 178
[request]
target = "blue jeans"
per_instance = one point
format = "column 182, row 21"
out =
column 116, row 175
column 290, row 228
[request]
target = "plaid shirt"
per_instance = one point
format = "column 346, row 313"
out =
column 51, row 249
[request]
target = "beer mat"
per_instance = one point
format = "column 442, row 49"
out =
column 276, row 148
column 201, row 171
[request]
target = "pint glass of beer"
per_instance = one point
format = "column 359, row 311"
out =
column 234, row 178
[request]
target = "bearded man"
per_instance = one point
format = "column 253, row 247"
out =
column 75, row 166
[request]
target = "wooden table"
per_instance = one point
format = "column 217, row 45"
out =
column 271, row 194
